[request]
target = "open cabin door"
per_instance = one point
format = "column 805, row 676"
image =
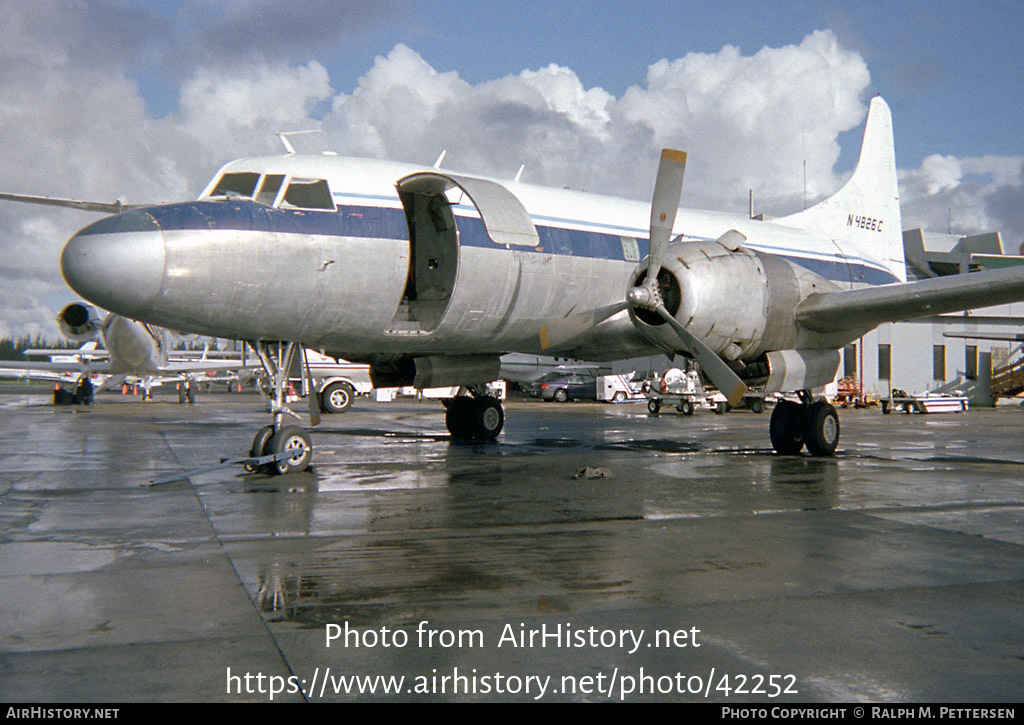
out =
column 434, row 238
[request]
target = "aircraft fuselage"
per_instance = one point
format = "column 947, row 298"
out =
column 370, row 276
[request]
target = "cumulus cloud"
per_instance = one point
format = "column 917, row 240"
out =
column 748, row 121
column 966, row 196
column 238, row 111
column 76, row 125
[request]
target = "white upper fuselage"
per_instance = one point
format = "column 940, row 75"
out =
column 356, row 181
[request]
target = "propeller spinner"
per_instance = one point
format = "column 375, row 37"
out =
column 668, row 189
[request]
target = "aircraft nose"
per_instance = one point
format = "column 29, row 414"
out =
column 117, row 263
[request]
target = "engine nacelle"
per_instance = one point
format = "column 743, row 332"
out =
column 80, row 322
column 800, row 369
column 740, row 302
column 133, row 346
column 435, row 371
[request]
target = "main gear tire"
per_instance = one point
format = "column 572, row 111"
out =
column 785, row 428
column 821, row 429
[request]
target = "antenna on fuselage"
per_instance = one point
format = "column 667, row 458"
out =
column 283, row 135
column 519, row 173
column 437, row 164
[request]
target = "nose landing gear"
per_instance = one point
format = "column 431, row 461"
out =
column 279, row 448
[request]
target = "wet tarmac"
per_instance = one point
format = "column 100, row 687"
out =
column 686, row 563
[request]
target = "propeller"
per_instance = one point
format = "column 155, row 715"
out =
column 668, row 188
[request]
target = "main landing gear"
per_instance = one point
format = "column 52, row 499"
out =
column 280, row 448
column 474, row 417
column 810, row 422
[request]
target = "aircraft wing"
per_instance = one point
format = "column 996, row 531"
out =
column 115, row 207
column 202, row 366
column 55, row 367
column 207, row 355
column 22, row 373
column 101, row 366
column 86, row 355
column 871, row 306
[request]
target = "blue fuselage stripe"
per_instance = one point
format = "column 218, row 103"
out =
column 378, row 222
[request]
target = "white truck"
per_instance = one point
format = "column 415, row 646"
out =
column 337, row 381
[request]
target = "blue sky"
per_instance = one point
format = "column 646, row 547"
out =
column 101, row 99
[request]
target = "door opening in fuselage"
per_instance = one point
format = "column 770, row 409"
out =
column 433, row 258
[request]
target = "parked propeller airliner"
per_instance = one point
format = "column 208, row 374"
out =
column 431, row 276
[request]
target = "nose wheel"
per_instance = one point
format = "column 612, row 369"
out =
column 288, row 450
column 294, row 440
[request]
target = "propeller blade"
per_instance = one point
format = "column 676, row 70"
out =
column 569, row 328
column 727, row 382
column 668, row 188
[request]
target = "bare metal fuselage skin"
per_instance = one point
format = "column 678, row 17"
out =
column 368, row 278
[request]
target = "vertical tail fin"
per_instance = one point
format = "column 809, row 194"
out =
column 864, row 215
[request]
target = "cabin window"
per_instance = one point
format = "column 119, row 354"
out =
column 236, row 184
column 308, row 194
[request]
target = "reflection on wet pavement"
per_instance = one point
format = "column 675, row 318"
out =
column 780, row 560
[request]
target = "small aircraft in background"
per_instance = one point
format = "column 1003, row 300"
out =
column 132, row 352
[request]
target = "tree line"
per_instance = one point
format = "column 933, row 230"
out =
column 13, row 349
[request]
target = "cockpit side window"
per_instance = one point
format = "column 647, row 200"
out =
column 308, row 194
column 236, row 184
column 268, row 191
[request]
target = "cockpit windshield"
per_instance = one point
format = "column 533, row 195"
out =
column 298, row 193
column 230, row 185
